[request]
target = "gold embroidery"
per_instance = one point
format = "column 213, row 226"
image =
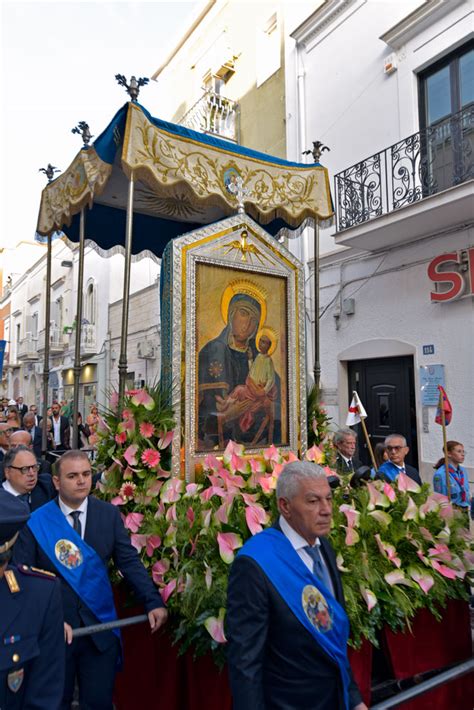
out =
column 12, row 581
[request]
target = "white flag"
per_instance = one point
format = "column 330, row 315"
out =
column 356, row 411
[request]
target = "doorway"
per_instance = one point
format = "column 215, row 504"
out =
column 386, row 387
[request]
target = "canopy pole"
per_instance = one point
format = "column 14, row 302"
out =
column 317, row 364
column 77, row 344
column 122, row 366
column 47, row 324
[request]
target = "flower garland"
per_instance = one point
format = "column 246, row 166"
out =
column 399, row 546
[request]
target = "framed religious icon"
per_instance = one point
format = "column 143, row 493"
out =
column 233, row 342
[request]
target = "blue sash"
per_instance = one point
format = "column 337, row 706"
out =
column 76, row 562
column 309, row 600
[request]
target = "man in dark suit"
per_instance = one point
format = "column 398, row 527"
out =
column 60, row 428
column 22, row 477
column 397, row 450
column 285, row 624
column 345, row 442
column 35, row 432
column 22, row 408
column 70, row 521
column 31, row 623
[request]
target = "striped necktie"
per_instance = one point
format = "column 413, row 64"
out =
column 319, row 568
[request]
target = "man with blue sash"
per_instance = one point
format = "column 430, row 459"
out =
column 286, row 626
column 76, row 536
column 397, row 450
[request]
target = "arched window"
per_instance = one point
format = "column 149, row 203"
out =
column 90, row 303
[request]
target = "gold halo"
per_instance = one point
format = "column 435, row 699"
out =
column 248, row 288
column 271, row 334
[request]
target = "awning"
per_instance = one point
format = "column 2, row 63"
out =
column 182, row 179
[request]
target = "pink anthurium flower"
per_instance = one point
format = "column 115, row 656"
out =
column 369, row 597
column 138, row 541
column 376, row 498
column 102, row 426
column 118, row 500
column 272, row 454
column 211, row 463
column 221, row 514
column 423, row 558
column 165, row 439
column 133, row 521
column 389, row 492
column 267, row 483
column 444, row 534
column 192, row 489
column 424, row 580
column 468, row 560
column 291, row 457
column 429, row 506
column 155, row 488
column 340, row 563
column 128, row 425
column 171, row 490
column 406, row 484
column 388, row 551
column 208, row 493
column 232, row 448
column 441, row 552
column 206, row 518
column 208, row 575
column 130, row 455
column 191, row 516
column 442, row 569
column 152, row 542
column 255, row 517
column 114, row 399
column 158, row 571
column 411, row 512
column 215, row 627
column 142, row 398
column 314, row 454
column 168, row 590
column 352, row 536
column 250, row 498
column 446, row 511
column 228, row 543
column 237, row 463
column 426, row 534
column 383, row 518
column 352, row 515
column 171, row 513
column 397, row 577
column 257, row 466
column 170, row 535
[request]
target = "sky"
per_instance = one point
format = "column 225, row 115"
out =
column 58, row 63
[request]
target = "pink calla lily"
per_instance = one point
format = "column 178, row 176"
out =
column 171, row 490
column 376, row 498
column 352, row 515
column 369, row 597
column 388, row 551
column 426, row 534
column 138, row 541
column 411, row 512
column 389, row 492
column 155, row 488
column 442, row 569
column 228, row 543
column 208, row 575
column 171, row 513
column 441, row 552
column 142, row 398
column 158, row 571
column 352, row 536
column 398, row 577
column 215, row 627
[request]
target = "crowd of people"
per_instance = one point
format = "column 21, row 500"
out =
column 56, row 538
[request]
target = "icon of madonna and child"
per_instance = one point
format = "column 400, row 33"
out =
column 239, row 385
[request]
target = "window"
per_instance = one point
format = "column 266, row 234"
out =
column 90, row 303
column 268, row 48
column 447, row 119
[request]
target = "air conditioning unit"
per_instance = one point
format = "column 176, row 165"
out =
column 146, row 350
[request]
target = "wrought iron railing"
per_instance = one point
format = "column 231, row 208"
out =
column 215, row 115
column 28, row 347
column 416, row 167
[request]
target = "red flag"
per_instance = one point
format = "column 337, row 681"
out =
column 446, row 406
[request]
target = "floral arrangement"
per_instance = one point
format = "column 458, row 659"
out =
column 399, row 546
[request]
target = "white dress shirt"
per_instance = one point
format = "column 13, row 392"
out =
column 57, row 430
column 66, row 510
column 9, row 488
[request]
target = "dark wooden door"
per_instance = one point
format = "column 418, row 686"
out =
column 386, row 388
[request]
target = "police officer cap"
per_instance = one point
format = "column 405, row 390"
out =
column 13, row 515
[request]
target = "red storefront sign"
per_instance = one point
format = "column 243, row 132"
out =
column 458, row 280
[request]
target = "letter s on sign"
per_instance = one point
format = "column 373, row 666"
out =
column 453, row 278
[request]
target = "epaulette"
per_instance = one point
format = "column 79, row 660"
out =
column 35, row 572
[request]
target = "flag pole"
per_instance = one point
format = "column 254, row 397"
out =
column 366, row 434
column 445, row 448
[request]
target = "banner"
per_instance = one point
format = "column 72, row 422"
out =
column 446, row 406
column 3, row 345
column 356, row 411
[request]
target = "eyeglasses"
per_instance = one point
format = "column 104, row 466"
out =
column 11, row 430
column 395, row 448
column 26, row 469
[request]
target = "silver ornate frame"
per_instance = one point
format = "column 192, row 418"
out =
column 264, row 255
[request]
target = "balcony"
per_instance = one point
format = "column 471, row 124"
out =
column 88, row 339
column 28, row 348
column 418, row 186
column 215, row 115
column 58, row 341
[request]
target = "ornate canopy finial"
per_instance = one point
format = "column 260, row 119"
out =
column 133, row 89
column 49, row 172
column 82, row 129
column 236, row 188
column 318, row 149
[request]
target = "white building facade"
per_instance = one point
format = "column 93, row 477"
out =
column 388, row 86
